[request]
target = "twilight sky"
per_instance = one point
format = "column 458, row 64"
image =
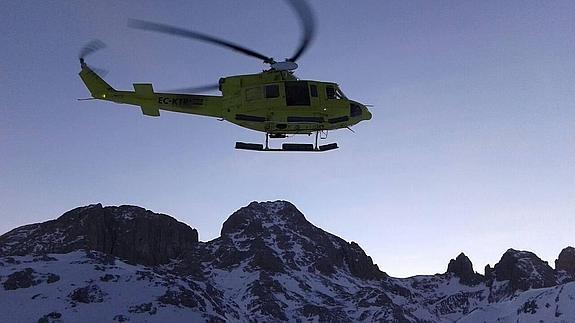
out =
column 471, row 147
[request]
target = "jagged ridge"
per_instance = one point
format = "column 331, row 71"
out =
column 129, row 232
column 269, row 264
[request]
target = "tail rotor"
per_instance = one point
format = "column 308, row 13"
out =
column 89, row 49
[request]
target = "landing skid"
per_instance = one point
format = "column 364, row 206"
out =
column 287, row 146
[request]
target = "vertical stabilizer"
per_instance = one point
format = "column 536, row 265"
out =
column 95, row 84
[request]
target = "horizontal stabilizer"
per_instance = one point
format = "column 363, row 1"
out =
column 150, row 110
column 146, row 91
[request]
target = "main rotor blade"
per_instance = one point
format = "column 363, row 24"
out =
column 171, row 30
column 307, row 21
column 91, row 47
column 197, row 89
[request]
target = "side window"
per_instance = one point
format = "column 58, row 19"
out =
column 297, row 93
column 313, row 90
column 272, row 91
column 330, row 92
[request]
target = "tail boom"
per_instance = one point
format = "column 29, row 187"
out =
column 149, row 101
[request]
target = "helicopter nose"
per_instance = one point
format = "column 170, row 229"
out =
column 359, row 111
column 366, row 113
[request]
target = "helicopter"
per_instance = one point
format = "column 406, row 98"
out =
column 274, row 101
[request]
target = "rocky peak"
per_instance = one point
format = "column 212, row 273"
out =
column 276, row 236
column 463, row 268
column 523, row 269
column 249, row 219
column 566, row 261
column 129, row 232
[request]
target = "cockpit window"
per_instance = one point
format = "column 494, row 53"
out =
column 354, row 110
column 334, row 93
column 330, row 92
column 297, row 93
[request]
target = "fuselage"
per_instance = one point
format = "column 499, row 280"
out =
column 274, row 102
column 277, row 103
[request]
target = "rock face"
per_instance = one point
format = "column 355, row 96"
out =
column 129, row 232
column 463, row 268
column 269, row 264
column 566, row 261
column 518, row 271
column 275, row 228
column 274, row 240
column 524, row 270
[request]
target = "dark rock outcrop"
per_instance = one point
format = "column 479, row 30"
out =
column 129, row 232
column 28, row 277
column 524, row 270
column 360, row 264
column 566, row 261
column 21, row 279
column 87, row 294
column 463, row 268
column 50, row 317
column 488, row 272
column 183, row 298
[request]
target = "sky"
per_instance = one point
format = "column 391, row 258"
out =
column 471, row 147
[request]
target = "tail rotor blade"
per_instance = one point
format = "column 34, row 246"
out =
column 91, row 47
column 88, row 49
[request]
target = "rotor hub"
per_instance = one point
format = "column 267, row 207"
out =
column 284, row 66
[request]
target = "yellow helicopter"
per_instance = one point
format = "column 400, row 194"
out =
column 274, row 101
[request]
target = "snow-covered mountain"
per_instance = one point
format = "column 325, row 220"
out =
column 105, row 264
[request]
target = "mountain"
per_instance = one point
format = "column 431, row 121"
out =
column 106, row 264
column 128, row 232
column 565, row 265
